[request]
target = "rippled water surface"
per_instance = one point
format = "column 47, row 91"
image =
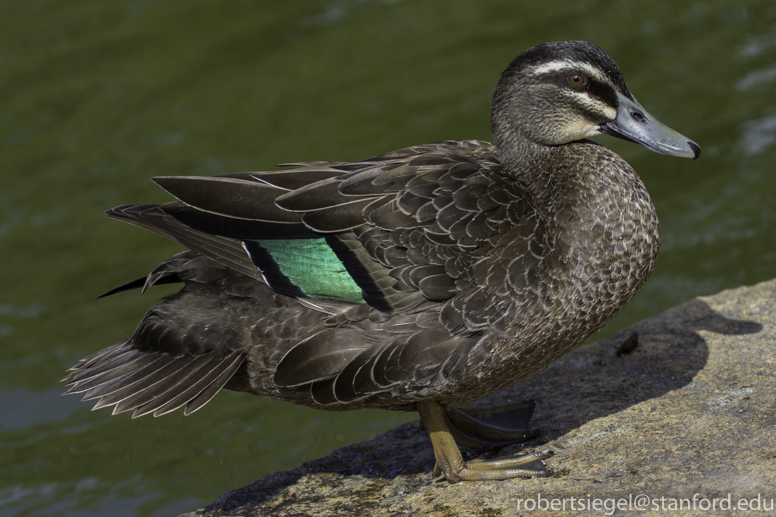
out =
column 96, row 97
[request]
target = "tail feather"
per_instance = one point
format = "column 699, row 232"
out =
column 208, row 393
column 217, row 372
column 119, row 388
column 105, row 354
column 118, row 368
column 162, row 382
column 151, row 382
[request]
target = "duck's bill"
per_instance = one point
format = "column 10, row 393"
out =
column 634, row 124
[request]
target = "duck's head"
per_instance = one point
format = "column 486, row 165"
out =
column 560, row 92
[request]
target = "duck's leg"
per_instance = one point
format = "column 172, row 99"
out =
column 451, row 463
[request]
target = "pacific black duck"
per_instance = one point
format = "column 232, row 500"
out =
column 418, row 280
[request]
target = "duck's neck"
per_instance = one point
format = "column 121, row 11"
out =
column 569, row 181
column 518, row 154
column 519, row 149
column 545, row 171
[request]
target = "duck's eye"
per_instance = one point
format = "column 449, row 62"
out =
column 576, row 80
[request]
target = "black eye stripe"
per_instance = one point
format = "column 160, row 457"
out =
column 603, row 92
column 592, row 86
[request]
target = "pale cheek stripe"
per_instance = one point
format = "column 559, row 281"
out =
column 593, row 104
column 578, row 129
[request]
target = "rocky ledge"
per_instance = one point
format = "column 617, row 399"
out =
column 675, row 413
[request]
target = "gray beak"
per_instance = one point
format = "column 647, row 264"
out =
column 634, row 124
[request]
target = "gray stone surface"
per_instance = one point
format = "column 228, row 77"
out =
column 690, row 410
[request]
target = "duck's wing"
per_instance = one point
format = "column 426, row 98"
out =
column 396, row 251
column 394, row 231
column 404, row 244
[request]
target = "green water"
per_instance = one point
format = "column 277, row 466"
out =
column 96, row 97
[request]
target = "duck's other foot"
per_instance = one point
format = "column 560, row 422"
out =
column 450, row 463
column 491, row 427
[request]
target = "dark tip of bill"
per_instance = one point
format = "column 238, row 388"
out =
column 695, row 149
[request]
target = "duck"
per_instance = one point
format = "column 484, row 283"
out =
column 422, row 279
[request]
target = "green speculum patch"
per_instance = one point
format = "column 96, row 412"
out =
column 306, row 268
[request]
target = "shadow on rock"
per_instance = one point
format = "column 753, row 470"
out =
column 642, row 362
